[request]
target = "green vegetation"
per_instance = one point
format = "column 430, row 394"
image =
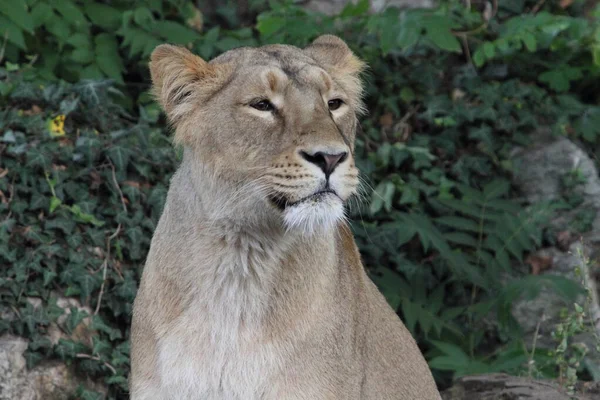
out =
column 85, row 162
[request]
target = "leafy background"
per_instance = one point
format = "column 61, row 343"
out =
column 85, row 160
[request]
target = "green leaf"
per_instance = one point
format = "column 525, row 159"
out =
column 452, row 351
column 530, row 41
column 91, row 71
column 391, row 284
column 79, row 40
column 461, row 238
column 408, row 34
column 74, row 318
column 107, row 56
column 142, row 16
column 439, row 31
column 459, row 223
column 17, row 12
column 57, row 27
column 175, row 33
column 382, row 197
column 355, row 10
column 87, row 283
column 464, row 207
column 40, row 13
column 410, row 195
column 496, row 188
column 479, row 57
column 119, row 155
column 103, row 15
column 72, row 13
column 54, row 203
column 268, row 25
column 84, row 217
column 13, row 33
column 82, row 55
column 489, row 50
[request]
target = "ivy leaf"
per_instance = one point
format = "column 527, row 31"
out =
column 84, row 217
column 54, row 203
column 119, row 155
column 382, row 197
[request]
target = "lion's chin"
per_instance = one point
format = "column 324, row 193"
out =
column 315, row 214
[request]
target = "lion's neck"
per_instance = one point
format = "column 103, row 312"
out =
column 240, row 275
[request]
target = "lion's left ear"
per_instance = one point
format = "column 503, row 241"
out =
column 332, row 52
column 334, row 55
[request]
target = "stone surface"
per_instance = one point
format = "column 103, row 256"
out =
column 47, row 381
column 538, row 173
column 505, row 387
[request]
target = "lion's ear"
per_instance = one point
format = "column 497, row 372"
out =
column 334, row 55
column 181, row 80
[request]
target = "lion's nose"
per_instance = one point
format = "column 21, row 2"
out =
column 326, row 161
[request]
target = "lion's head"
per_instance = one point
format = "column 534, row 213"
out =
column 271, row 130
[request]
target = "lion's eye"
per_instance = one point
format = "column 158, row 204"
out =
column 263, row 105
column 334, row 104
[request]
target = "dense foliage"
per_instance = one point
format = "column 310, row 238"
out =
column 84, row 167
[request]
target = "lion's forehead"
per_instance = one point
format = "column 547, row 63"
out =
column 284, row 54
column 292, row 61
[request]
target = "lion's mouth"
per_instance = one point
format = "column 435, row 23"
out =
column 282, row 202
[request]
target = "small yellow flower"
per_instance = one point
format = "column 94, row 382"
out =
column 56, row 126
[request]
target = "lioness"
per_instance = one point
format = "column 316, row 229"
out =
column 254, row 287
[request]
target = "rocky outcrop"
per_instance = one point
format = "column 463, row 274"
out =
column 49, row 380
column 546, row 171
column 505, row 387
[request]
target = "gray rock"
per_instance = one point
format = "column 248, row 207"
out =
column 501, row 386
column 47, row 381
column 538, row 173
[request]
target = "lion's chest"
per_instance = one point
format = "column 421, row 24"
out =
column 197, row 362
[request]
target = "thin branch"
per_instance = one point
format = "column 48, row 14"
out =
column 3, row 49
column 105, row 267
column 89, row 357
column 537, row 6
column 481, row 27
column 531, row 362
column 466, row 49
column 114, row 177
column 11, row 188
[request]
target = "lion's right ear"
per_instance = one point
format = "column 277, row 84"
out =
column 182, row 80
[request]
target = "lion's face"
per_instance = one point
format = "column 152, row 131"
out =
column 275, row 125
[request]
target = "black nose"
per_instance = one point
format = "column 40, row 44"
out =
column 327, row 162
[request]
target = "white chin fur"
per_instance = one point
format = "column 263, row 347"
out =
column 314, row 215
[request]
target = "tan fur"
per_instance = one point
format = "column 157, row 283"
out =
column 253, row 286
